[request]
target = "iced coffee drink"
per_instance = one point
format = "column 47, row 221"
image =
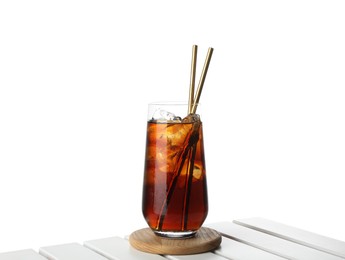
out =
column 175, row 191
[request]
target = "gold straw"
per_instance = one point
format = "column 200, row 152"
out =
column 202, row 80
column 192, row 78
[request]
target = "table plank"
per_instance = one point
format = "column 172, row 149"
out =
column 116, row 248
column 269, row 243
column 236, row 250
column 72, row 251
column 296, row 235
column 203, row 256
column 26, row 254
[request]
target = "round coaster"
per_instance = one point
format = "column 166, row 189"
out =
column 205, row 239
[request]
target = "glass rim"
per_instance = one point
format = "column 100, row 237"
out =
column 170, row 103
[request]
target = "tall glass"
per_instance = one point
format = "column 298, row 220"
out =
column 175, row 202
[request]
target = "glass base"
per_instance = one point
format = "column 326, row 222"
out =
column 173, row 234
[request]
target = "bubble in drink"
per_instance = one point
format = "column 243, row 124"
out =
column 175, row 190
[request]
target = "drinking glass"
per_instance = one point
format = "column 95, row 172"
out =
column 175, row 201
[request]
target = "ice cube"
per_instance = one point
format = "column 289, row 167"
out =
column 191, row 118
column 165, row 116
column 197, row 172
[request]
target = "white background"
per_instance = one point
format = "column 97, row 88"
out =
column 75, row 81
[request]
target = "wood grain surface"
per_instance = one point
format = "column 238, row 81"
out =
column 205, row 240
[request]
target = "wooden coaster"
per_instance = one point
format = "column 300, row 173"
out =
column 205, row 239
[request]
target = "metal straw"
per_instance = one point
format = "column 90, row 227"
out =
column 192, row 78
column 202, row 80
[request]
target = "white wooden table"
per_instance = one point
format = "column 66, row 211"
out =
column 246, row 239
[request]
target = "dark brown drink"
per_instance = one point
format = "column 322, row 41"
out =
column 175, row 191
